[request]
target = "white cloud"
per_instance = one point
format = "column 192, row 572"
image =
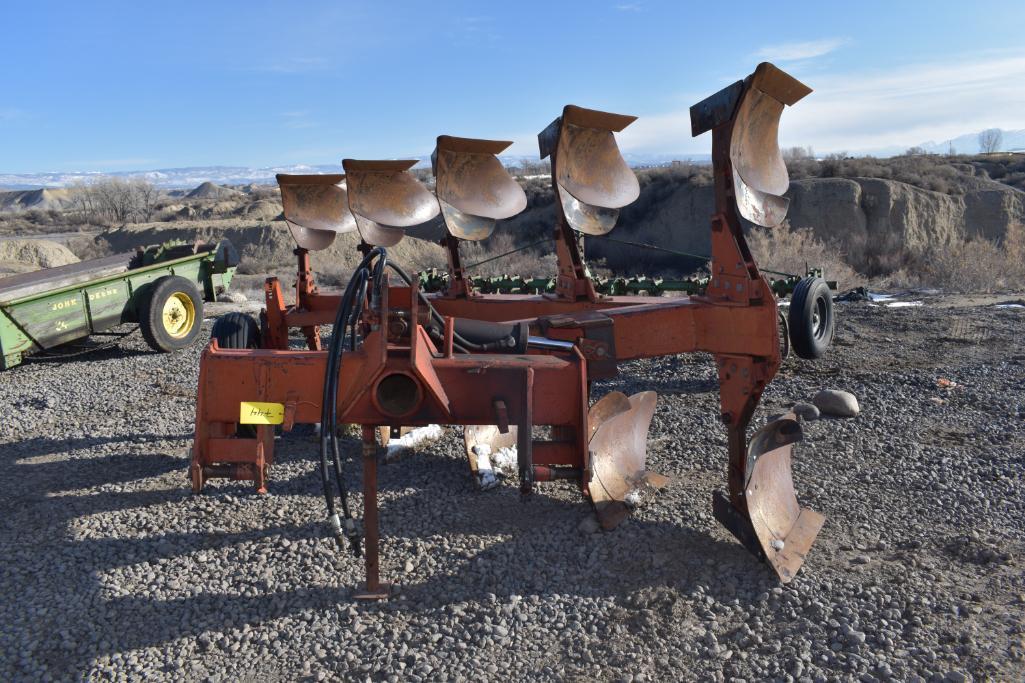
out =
column 878, row 111
column 790, row 52
column 629, row 7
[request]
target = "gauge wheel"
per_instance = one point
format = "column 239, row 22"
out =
column 236, row 331
column 811, row 318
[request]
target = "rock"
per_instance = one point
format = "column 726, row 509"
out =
column 806, row 411
column 232, row 298
column 837, row 403
column 36, row 253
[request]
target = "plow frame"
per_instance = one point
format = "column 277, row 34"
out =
column 735, row 320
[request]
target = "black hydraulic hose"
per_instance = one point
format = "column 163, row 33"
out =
column 328, row 442
column 358, row 290
column 328, row 432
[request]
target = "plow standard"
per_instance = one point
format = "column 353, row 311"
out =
column 517, row 368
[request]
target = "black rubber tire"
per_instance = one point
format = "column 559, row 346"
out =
column 236, row 331
column 151, row 320
column 811, row 318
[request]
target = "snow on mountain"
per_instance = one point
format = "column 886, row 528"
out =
column 190, row 177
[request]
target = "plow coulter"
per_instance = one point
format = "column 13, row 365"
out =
column 505, row 365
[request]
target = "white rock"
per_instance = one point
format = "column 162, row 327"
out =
column 232, row 298
column 837, row 403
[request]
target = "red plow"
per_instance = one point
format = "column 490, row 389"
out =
column 504, row 366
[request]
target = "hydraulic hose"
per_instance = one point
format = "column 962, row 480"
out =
column 344, row 320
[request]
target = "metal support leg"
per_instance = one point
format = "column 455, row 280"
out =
column 375, row 590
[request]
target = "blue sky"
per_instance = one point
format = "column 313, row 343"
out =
column 116, row 86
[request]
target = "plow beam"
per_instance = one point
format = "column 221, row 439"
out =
column 385, row 198
column 316, row 208
column 384, row 386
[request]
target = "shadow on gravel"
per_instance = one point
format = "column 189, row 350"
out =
column 89, row 353
column 428, row 498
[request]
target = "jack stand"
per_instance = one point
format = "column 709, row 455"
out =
column 374, row 589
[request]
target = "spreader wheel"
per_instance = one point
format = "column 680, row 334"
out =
column 811, row 318
column 173, row 313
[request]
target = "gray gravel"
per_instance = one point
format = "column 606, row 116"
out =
column 112, row 569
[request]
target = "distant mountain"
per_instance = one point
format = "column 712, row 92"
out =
column 169, row 178
column 209, row 190
column 1014, row 141
column 191, row 177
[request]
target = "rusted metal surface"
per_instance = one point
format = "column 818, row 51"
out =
column 473, row 187
column 591, row 178
column 374, row 588
column 316, row 208
column 784, row 529
column 607, row 407
column 385, row 198
column 618, row 448
column 759, row 172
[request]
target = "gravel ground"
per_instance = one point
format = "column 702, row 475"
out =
column 112, row 569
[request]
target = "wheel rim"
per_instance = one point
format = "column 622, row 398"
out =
column 178, row 315
column 818, row 318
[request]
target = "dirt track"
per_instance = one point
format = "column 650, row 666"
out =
column 112, row 568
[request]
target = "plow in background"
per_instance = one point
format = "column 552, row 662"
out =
column 517, row 368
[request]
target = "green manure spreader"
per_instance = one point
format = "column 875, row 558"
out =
column 162, row 288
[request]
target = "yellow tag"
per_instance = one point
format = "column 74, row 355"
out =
column 254, row 413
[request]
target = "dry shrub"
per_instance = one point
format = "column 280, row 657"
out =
column 87, row 247
column 793, row 251
column 974, row 266
column 536, row 261
column 264, row 260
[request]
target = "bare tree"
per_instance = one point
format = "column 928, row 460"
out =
column 115, row 201
column 991, row 140
column 81, row 202
column 798, row 153
column 146, row 195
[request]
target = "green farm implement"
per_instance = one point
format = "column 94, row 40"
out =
column 436, row 280
column 161, row 288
